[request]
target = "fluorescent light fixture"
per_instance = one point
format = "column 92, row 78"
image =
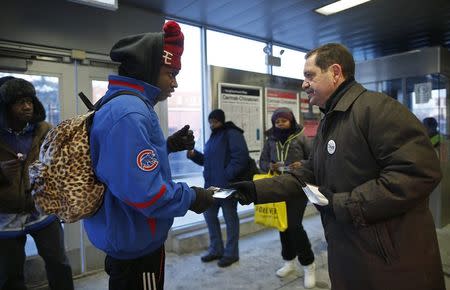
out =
column 107, row 4
column 339, row 6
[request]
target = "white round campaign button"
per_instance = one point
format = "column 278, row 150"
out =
column 331, row 146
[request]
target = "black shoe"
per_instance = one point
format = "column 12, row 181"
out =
column 226, row 261
column 210, row 257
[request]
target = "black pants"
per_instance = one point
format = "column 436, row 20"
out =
column 144, row 273
column 50, row 245
column 294, row 241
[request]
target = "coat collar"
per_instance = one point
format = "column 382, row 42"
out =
column 353, row 92
column 120, row 82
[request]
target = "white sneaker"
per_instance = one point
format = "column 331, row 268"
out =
column 289, row 266
column 309, row 275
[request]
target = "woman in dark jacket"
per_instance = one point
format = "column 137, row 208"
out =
column 285, row 148
column 224, row 158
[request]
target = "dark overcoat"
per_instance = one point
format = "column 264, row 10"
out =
column 376, row 159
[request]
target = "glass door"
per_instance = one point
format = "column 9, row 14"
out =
column 427, row 96
column 57, row 86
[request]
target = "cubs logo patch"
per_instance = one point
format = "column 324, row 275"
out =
column 146, row 160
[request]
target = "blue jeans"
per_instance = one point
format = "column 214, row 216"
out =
column 229, row 210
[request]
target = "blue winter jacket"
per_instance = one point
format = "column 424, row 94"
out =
column 225, row 156
column 129, row 155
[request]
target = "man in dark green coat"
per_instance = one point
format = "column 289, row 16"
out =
column 375, row 164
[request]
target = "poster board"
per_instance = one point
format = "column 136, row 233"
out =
column 277, row 98
column 305, row 106
column 243, row 106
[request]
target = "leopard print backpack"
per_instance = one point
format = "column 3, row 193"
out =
column 63, row 181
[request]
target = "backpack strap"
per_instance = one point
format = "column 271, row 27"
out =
column 98, row 105
column 86, row 101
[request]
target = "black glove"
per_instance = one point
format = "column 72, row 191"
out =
column 245, row 192
column 326, row 209
column 203, row 199
column 11, row 168
column 182, row 139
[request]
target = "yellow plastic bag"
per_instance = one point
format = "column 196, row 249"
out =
column 272, row 215
column 262, row 176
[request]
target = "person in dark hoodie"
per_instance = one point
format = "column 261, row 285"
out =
column 285, row 149
column 22, row 130
column 225, row 157
column 130, row 156
column 374, row 162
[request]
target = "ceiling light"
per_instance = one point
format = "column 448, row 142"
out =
column 339, row 6
column 107, row 4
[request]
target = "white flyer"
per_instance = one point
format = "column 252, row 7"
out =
column 221, row 192
column 314, row 195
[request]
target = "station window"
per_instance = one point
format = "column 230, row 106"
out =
column 185, row 104
column 47, row 90
column 292, row 62
column 99, row 89
column 235, row 52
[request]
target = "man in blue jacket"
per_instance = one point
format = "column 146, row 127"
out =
column 129, row 154
column 224, row 158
